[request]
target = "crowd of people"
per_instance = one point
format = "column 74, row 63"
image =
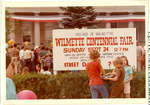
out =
column 26, row 59
column 23, row 60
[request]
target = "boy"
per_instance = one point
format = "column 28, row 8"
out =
column 93, row 68
column 118, row 88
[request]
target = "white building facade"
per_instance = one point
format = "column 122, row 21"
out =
column 35, row 24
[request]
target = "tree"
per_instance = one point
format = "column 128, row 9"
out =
column 78, row 17
column 8, row 25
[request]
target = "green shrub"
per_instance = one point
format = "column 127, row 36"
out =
column 69, row 85
column 138, row 85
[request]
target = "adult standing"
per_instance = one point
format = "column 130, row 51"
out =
column 144, row 60
column 32, row 59
column 28, row 56
column 36, row 58
column 139, row 52
column 14, row 54
column 21, row 56
column 42, row 54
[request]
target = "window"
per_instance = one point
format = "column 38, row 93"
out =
column 113, row 25
column 27, row 38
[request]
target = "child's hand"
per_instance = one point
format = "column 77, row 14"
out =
column 126, row 81
column 106, row 78
column 107, row 73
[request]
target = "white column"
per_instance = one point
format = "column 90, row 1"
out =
column 108, row 24
column 12, row 28
column 60, row 23
column 130, row 23
column 36, row 32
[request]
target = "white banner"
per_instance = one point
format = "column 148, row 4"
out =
column 71, row 47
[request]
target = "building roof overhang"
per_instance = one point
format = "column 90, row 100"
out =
column 122, row 18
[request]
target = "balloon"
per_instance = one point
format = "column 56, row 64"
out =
column 26, row 43
column 26, row 94
column 11, row 42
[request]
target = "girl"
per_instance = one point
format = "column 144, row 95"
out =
column 128, row 76
column 25, row 70
column 48, row 62
column 38, row 68
column 93, row 68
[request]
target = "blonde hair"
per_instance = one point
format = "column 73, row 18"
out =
column 118, row 60
column 94, row 54
column 25, row 70
column 10, row 71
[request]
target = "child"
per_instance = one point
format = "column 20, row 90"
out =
column 93, row 68
column 118, row 88
column 128, row 76
column 48, row 62
column 25, row 70
column 38, row 68
column 46, row 72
